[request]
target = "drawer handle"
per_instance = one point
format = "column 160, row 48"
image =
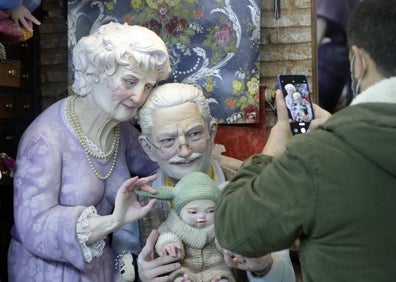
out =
column 12, row 72
column 9, row 138
column 9, row 106
column 26, row 106
column 25, row 76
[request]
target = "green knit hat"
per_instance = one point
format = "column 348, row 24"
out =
column 192, row 186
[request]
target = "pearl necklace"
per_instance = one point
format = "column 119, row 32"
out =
column 72, row 117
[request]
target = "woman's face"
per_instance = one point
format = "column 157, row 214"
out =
column 122, row 93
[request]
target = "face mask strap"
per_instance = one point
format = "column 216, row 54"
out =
column 356, row 88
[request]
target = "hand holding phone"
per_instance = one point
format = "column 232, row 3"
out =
column 298, row 101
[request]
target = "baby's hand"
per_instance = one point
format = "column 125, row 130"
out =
column 185, row 278
column 219, row 279
column 172, row 249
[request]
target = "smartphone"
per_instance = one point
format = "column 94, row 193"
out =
column 298, row 101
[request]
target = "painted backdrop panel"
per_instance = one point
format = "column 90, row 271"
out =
column 212, row 44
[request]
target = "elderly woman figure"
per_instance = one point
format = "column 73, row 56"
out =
column 74, row 162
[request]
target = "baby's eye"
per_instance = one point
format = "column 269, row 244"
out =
column 192, row 212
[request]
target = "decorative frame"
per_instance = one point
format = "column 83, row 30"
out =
column 212, row 44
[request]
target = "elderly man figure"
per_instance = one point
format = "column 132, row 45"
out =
column 178, row 131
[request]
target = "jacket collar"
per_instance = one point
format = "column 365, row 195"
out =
column 381, row 92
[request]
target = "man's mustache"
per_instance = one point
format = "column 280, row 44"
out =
column 181, row 160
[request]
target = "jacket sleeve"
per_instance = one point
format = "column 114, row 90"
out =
column 266, row 205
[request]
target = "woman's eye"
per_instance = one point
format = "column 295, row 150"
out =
column 128, row 83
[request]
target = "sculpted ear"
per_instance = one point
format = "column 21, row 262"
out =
column 213, row 131
column 146, row 147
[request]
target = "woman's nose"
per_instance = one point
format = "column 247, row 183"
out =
column 140, row 95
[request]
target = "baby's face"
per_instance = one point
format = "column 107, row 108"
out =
column 198, row 213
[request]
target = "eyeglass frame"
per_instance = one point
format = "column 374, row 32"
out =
column 206, row 138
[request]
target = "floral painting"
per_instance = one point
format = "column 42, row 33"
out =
column 213, row 44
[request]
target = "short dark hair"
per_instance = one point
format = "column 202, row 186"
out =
column 372, row 27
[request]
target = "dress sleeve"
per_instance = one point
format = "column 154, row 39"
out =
column 83, row 234
column 44, row 226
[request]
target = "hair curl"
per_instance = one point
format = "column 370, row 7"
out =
column 114, row 45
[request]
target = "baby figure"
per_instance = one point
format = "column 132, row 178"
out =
column 189, row 229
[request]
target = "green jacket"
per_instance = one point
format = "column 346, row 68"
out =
column 334, row 189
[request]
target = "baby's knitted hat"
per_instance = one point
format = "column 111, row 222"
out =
column 192, row 186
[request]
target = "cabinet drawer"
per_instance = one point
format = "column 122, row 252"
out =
column 26, row 76
column 8, row 136
column 7, row 107
column 21, row 51
column 10, row 73
column 23, row 107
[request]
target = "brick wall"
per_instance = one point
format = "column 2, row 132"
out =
column 286, row 45
column 286, row 42
column 53, row 58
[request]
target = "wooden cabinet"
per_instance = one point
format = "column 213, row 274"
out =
column 10, row 73
column 19, row 95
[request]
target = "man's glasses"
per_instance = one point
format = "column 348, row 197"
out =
column 170, row 145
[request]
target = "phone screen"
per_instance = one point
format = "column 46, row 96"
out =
column 298, row 101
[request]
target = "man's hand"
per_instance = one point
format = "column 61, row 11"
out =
column 155, row 269
column 280, row 132
column 260, row 265
column 321, row 116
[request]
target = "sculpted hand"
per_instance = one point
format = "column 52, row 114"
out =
column 280, row 132
column 261, row 264
column 172, row 250
column 217, row 279
column 22, row 15
column 185, row 278
column 321, row 116
column 127, row 208
column 155, row 269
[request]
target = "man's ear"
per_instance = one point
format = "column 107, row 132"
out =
column 359, row 62
column 146, row 147
column 212, row 131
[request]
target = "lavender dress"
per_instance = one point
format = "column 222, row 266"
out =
column 53, row 185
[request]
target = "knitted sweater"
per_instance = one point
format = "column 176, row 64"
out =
column 202, row 259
